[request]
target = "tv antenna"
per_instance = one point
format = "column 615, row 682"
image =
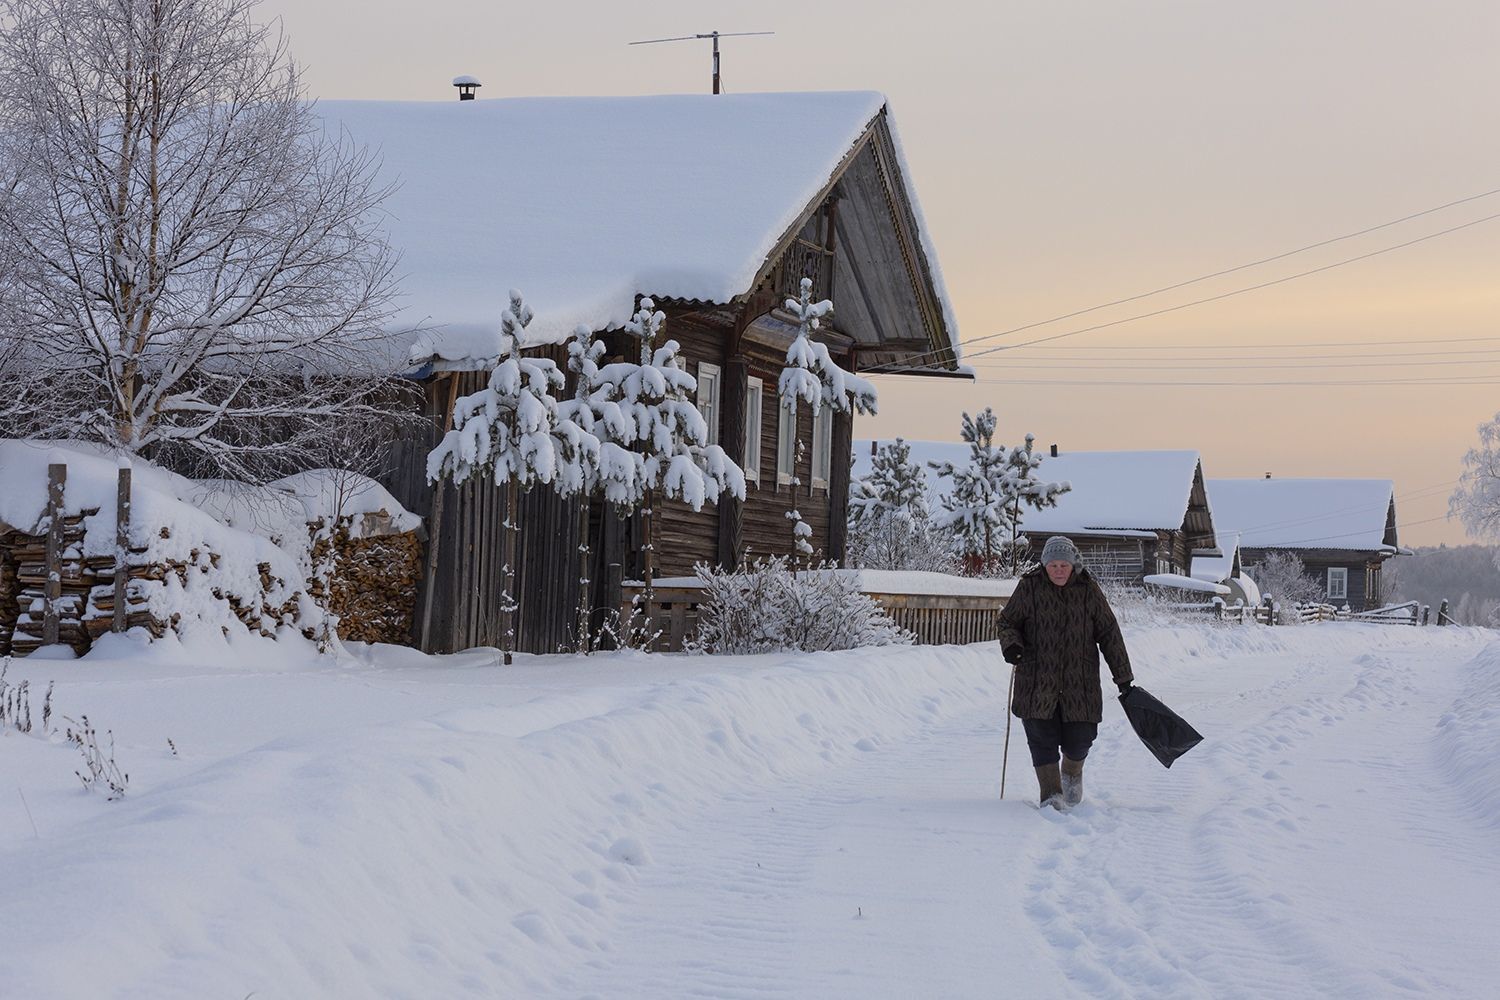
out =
column 715, row 35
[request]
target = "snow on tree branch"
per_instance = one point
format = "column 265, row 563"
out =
column 201, row 268
column 811, row 375
column 984, row 506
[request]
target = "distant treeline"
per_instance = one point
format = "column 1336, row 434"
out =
column 1466, row 576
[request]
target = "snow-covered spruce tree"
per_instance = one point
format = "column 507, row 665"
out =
column 895, row 483
column 890, row 526
column 201, row 272
column 607, row 467
column 511, row 432
column 984, row 506
column 812, row 376
column 677, row 462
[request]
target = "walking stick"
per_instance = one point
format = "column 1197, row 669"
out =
column 1005, row 757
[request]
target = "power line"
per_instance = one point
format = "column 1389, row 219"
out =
column 1259, row 345
column 1348, row 534
column 1231, row 359
column 1342, row 511
column 1133, row 383
column 882, row 370
column 1232, row 366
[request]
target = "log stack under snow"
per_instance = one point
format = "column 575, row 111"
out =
column 200, row 561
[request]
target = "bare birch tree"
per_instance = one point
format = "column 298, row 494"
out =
column 202, row 273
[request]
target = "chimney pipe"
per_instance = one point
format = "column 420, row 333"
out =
column 1054, row 451
column 1268, row 475
column 466, row 86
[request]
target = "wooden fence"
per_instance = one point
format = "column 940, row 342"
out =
column 933, row 619
column 1410, row 613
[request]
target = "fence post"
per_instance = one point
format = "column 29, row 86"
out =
column 1443, row 612
column 1270, row 610
column 57, row 478
column 122, row 548
column 1426, row 610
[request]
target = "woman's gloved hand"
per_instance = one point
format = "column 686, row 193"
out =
column 1125, row 688
column 1013, row 653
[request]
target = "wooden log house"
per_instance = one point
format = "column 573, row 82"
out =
column 715, row 206
column 1131, row 513
column 1343, row 530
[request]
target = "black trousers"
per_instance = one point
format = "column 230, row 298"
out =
column 1045, row 736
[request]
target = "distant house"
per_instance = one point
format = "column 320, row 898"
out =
column 715, row 206
column 1132, row 514
column 1343, row 530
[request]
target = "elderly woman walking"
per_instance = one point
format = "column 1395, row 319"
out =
column 1052, row 630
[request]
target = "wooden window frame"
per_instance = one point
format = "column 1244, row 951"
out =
column 1343, row 575
column 786, row 448
column 822, row 448
column 714, row 376
column 755, row 401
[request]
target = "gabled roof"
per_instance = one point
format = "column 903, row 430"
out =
column 1306, row 513
column 1114, row 492
column 584, row 203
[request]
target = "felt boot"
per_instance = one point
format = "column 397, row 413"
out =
column 1050, row 780
column 1072, row 781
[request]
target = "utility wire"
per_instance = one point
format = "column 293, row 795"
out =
column 1351, row 534
column 1258, row 345
column 1225, row 360
column 1340, row 366
column 1147, row 383
column 887, row 370
column 1342, row 511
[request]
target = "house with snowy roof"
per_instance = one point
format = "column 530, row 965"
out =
column 1132, row 514
column 1343, row 530
column 715, row 206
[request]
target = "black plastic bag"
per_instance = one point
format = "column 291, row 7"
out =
column 1163, row 731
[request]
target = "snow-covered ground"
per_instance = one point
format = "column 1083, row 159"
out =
column 814, row 826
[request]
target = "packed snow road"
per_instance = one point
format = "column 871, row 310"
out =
column 804, row 827
column 1320, row 843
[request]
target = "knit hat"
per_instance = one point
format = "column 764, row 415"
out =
column 1060, row 549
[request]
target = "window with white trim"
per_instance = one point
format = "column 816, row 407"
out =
column 754, row 392
column 822, row 447
column 1338, row 582
column 786, row 445
column 709, row 381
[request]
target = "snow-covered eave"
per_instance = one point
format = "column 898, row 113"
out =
column 1092, row 531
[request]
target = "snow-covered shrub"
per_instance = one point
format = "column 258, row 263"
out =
column 1285, row 580
column 765, row 608
column 894, row 539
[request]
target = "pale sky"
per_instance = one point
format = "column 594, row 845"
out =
column 1070, row 154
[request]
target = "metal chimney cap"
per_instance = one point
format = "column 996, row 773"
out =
column 466, row 86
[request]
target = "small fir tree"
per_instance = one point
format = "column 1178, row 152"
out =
column 670, row 434
column 509, row 431
column 984, row 507
column 812, row 376
column 607, row 467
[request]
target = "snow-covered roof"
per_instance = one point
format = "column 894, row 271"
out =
column 1303, row 513
column 583, row 203
column 1215, row 568
column 1176, row 581
column 1114, row 492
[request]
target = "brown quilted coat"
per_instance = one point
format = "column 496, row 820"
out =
column 1061, row 631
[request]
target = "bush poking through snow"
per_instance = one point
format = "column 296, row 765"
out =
column 766, row 608
column 101, row 765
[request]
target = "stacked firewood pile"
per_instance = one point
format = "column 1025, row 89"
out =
column 374, row 580
column 10, row 589
column 29, row 555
